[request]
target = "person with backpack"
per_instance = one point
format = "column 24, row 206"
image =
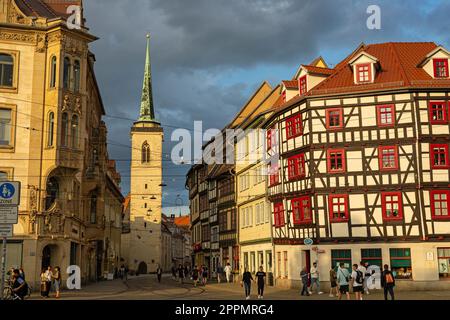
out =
column 388, row 283
column 305, row 277
column 343, row 277
column 357, row 283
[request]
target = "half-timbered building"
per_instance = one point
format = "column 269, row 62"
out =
column 363, row 166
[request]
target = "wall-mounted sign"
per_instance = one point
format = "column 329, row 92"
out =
column 6, row 230
column 9, row 215
column 9, row 194
column 308, row 242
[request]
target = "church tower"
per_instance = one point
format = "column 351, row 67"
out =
column 144, row 245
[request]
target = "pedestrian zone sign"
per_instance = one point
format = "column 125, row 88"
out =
column 9, row 194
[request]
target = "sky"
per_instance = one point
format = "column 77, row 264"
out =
column 208, row 56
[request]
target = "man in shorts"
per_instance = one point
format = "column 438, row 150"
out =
column 342, row 278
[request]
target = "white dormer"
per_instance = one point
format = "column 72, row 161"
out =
column 436, row 63
column 364, row 68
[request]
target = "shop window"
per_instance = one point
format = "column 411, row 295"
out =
column 440, row 68
column 335, row 118
column 372, row 256
column 302, row 85
column 6, row 70
column 392, row 206
column 444, row 262
column 278, row 215
column 363, row 73
column 401, row 266
column 440, row 203
column 341, row 256
column 439, row 156
column 386, row 115
column 388, row 158
column 336, row 161
column 296, row 167
column 301, row 210
column 438, row 112
column 294, row 126
column 338, row 207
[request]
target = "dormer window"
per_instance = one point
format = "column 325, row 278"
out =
column 363, row 72
column 440, row 68
column 302, row 85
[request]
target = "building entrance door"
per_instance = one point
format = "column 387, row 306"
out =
column 306, row 262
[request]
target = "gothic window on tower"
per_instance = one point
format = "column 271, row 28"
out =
column 145, row 152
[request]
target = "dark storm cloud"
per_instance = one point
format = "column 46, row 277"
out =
column 197, row 46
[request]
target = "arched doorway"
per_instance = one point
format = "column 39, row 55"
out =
column 46, row 257
column 142, row 269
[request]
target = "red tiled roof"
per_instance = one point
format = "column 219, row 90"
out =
column 46, row 8
column 318, row 70
column 398, row 62
column 184, row 221
column 290, row 84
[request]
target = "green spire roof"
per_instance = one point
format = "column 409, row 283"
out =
column 147, row 109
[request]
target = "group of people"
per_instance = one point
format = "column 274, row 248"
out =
column 181, row 273
column 123, row 272
column 50, row 276
column 200, row 274
column 341, row 280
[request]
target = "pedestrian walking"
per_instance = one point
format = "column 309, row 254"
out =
column 56, row 276
column 49, row 278
column 174, row 272
column 333, row 284
column 357, row 282
column 367, row 276
column 159, row 273
column 363, row 270
column 388, row 282
column 261, row 280
column 186, row 272
column 304, row 276
column 247, row 283
column 343, row 277
column 228, row 272
column 181, row 274
column 314, row 274
column 204, row 275
column 44, row 284
column 122, row 271
column 195, row 275
column 219, row 272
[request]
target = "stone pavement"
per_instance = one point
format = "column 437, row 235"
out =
column 147, row 288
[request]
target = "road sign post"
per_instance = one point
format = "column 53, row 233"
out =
column 9, row 215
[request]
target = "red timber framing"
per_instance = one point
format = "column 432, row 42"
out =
column 360, row 141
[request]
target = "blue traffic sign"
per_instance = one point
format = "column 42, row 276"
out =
column 7, row 191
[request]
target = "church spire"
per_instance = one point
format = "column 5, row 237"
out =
column 147, row 109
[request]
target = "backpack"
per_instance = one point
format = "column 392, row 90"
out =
column 389, row 278
column 359, row 277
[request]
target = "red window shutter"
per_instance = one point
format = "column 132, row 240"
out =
column 439, row 156
column 392, row 206
column 338, row 208
column 440, row 204
column 438, row 113
column 388, row 158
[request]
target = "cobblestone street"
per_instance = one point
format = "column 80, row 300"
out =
column 147, row 288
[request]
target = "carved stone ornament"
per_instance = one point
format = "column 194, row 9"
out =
column 17, row 36
column 66, row 103
column 77, row 107
column 41, row 43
